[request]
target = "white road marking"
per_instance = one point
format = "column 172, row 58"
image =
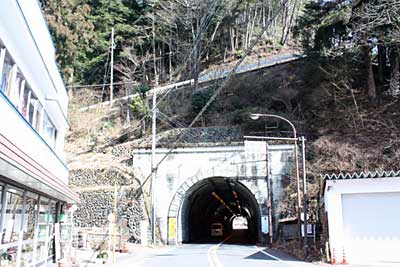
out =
column 213, row 260
column 276, row 258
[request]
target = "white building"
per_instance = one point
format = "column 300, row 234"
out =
column 33, row 107
column 363, row 217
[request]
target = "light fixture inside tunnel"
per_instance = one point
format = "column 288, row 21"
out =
column 220, row 200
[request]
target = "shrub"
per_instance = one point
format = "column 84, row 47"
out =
column 199, row 100
column 139, row 107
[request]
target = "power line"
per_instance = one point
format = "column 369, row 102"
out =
column 171, row 123
column 216, row 6
column 102, row 84
column 203, row 27
column 216, row 93
column 222, row 86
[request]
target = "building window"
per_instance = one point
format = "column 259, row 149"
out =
column 28, row 228
column 13, row 215
column 49, row 131
column 1, row 197
column 31, row 109
column 39, row 117
column 14, row 86
column 35, row 113
column 20, row 94
column 52, row 212
column 25, row 95
column 41, row 250
column 6, row 75
column 2, row 57
column 11, row 225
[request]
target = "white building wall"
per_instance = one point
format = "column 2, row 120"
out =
column 28, row 45
column 18, row 132
column 334, row 192
column 31, row 48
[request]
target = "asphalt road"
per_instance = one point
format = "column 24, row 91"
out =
column 223, row 254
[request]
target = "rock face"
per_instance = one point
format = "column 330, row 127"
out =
column 96, row 188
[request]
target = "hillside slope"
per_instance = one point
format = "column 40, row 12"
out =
column 345, row 133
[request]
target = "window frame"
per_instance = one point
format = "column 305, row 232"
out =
column 16, row 97
column 2, row 58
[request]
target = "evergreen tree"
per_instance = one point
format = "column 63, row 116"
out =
column 72, row 34
column 348, row 29
column 81, row 30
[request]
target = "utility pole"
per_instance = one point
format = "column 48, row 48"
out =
column 153, row 168
column 114, row 223
column 269, row 200
column 153, row 140
column 303, row 158
column 112, row 68
column 296, row 158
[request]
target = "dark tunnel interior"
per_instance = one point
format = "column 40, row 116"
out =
column 215, row 203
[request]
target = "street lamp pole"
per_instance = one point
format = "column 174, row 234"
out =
column 153, row 169
column 256, row 116
column 303, row 162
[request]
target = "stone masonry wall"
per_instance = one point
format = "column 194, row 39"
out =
column 96, row 189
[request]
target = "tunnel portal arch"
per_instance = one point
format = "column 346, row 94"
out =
column 195, row 206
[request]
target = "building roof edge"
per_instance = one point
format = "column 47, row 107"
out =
column 361, row 175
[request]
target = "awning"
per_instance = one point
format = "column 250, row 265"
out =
column 18, row 167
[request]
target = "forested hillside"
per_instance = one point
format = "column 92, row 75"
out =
column 344, row 98
column 168, row 40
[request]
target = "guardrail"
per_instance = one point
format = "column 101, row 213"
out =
column 208, row 77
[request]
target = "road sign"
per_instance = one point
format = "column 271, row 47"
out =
column 264, row 224
column 172, row 227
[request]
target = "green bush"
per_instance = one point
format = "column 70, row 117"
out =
column 142, row 89
column 199, row 100
column 139, row 107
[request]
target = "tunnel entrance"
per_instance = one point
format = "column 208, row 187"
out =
column 210, row 208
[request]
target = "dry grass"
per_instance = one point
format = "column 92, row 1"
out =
column 91, row 129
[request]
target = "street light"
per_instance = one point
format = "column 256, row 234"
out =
column 256, row 116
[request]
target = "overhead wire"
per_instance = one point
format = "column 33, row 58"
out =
column 168, row 120
column 203, row 28
column 212, row 98
column 221, row 87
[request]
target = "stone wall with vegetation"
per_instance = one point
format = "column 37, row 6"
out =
column 97, row 188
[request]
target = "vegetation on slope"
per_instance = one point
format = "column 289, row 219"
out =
column 343, row 97
column 168, row 39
